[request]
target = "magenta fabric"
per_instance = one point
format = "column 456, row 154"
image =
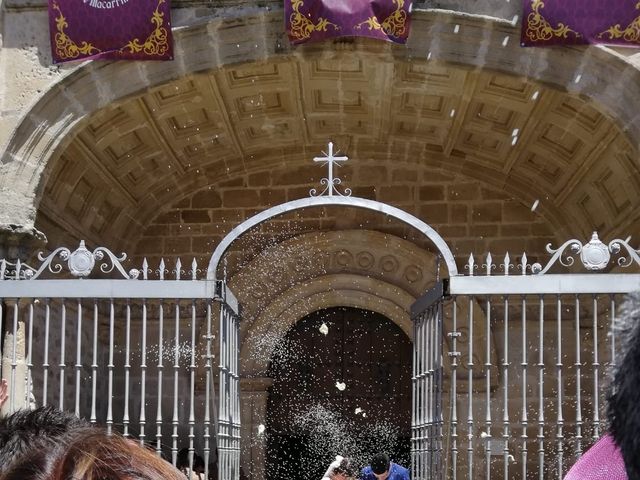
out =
column 110, row 30
column 603, row 461
column 575, row 22
column 316, row 20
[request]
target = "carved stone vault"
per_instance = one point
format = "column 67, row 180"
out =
column 468, row 151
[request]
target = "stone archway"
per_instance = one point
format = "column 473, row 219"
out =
column 50, row 127
column 290, row 280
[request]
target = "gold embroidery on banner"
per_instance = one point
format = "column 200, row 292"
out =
column 394, row 25
column 302, row 27
column 66, row 48
column 157, row 43
column 629, row 34
column 539, row 29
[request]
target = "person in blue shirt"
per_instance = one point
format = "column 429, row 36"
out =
column 382, row 468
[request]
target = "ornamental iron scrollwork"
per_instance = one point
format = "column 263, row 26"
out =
column 80, row 264
column 594, row 255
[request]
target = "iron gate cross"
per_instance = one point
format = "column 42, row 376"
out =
column 330, row 159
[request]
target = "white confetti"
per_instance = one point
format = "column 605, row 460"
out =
column 324, row 329
column 341, row 386
column 535, row 205
column 484, row 435
column 260, row 429
column 358, row 410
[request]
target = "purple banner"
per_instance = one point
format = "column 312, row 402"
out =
column 316, row 20
column 110, row 30
column 576, row 22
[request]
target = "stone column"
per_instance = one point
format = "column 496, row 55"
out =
column 14, row 367
column 254, row 393
column 16, row 243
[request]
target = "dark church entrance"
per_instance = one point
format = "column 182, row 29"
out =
column 342, row 385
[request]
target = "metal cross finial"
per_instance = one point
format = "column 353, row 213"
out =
column 330, row 182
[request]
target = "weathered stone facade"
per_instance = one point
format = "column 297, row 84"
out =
column 462, row 128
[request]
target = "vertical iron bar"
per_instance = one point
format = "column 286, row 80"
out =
column 78, row 365
column 62, row 363
column 45, row 359
column 429, row 372
column 176, row 368
column 222, row 421
column 470, row 392
column 142, row 422
column 14, row 358
column 524, row 365
column 127, row 370
column 487, row 373
column 578, row 366
column 207, row 398
column 414, row 398
column 160, row 369
column 439, row 417
column 505, row 389
column 424, row 421
column 110, row 367
column 541, row 392
column 454, row 391
column 559, row 393
column 29, row 389
column 192, row 385
column 596, row 373
column 613, row 331
column 94, row 363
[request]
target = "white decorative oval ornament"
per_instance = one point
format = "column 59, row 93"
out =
column 81, row 261
column 595, row 254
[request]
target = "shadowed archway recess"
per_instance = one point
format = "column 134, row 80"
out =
column 345, row 391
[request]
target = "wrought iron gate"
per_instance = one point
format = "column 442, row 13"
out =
column 510, row 370
column 133, row 353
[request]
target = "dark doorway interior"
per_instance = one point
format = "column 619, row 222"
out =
column 311, row 419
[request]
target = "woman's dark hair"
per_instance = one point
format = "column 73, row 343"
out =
column 624, row 397
column 93, row 455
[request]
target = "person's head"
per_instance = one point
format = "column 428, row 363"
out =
column 344, row 471
column 92, row 454
column 380, row 465
column 623, row 407
column 27, row 430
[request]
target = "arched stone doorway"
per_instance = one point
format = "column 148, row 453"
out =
column 343, row 390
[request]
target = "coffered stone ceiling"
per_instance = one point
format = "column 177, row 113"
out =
column 135, row 160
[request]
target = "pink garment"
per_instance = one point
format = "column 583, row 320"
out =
column 603, row 461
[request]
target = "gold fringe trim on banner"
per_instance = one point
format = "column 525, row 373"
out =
column 539, row 29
